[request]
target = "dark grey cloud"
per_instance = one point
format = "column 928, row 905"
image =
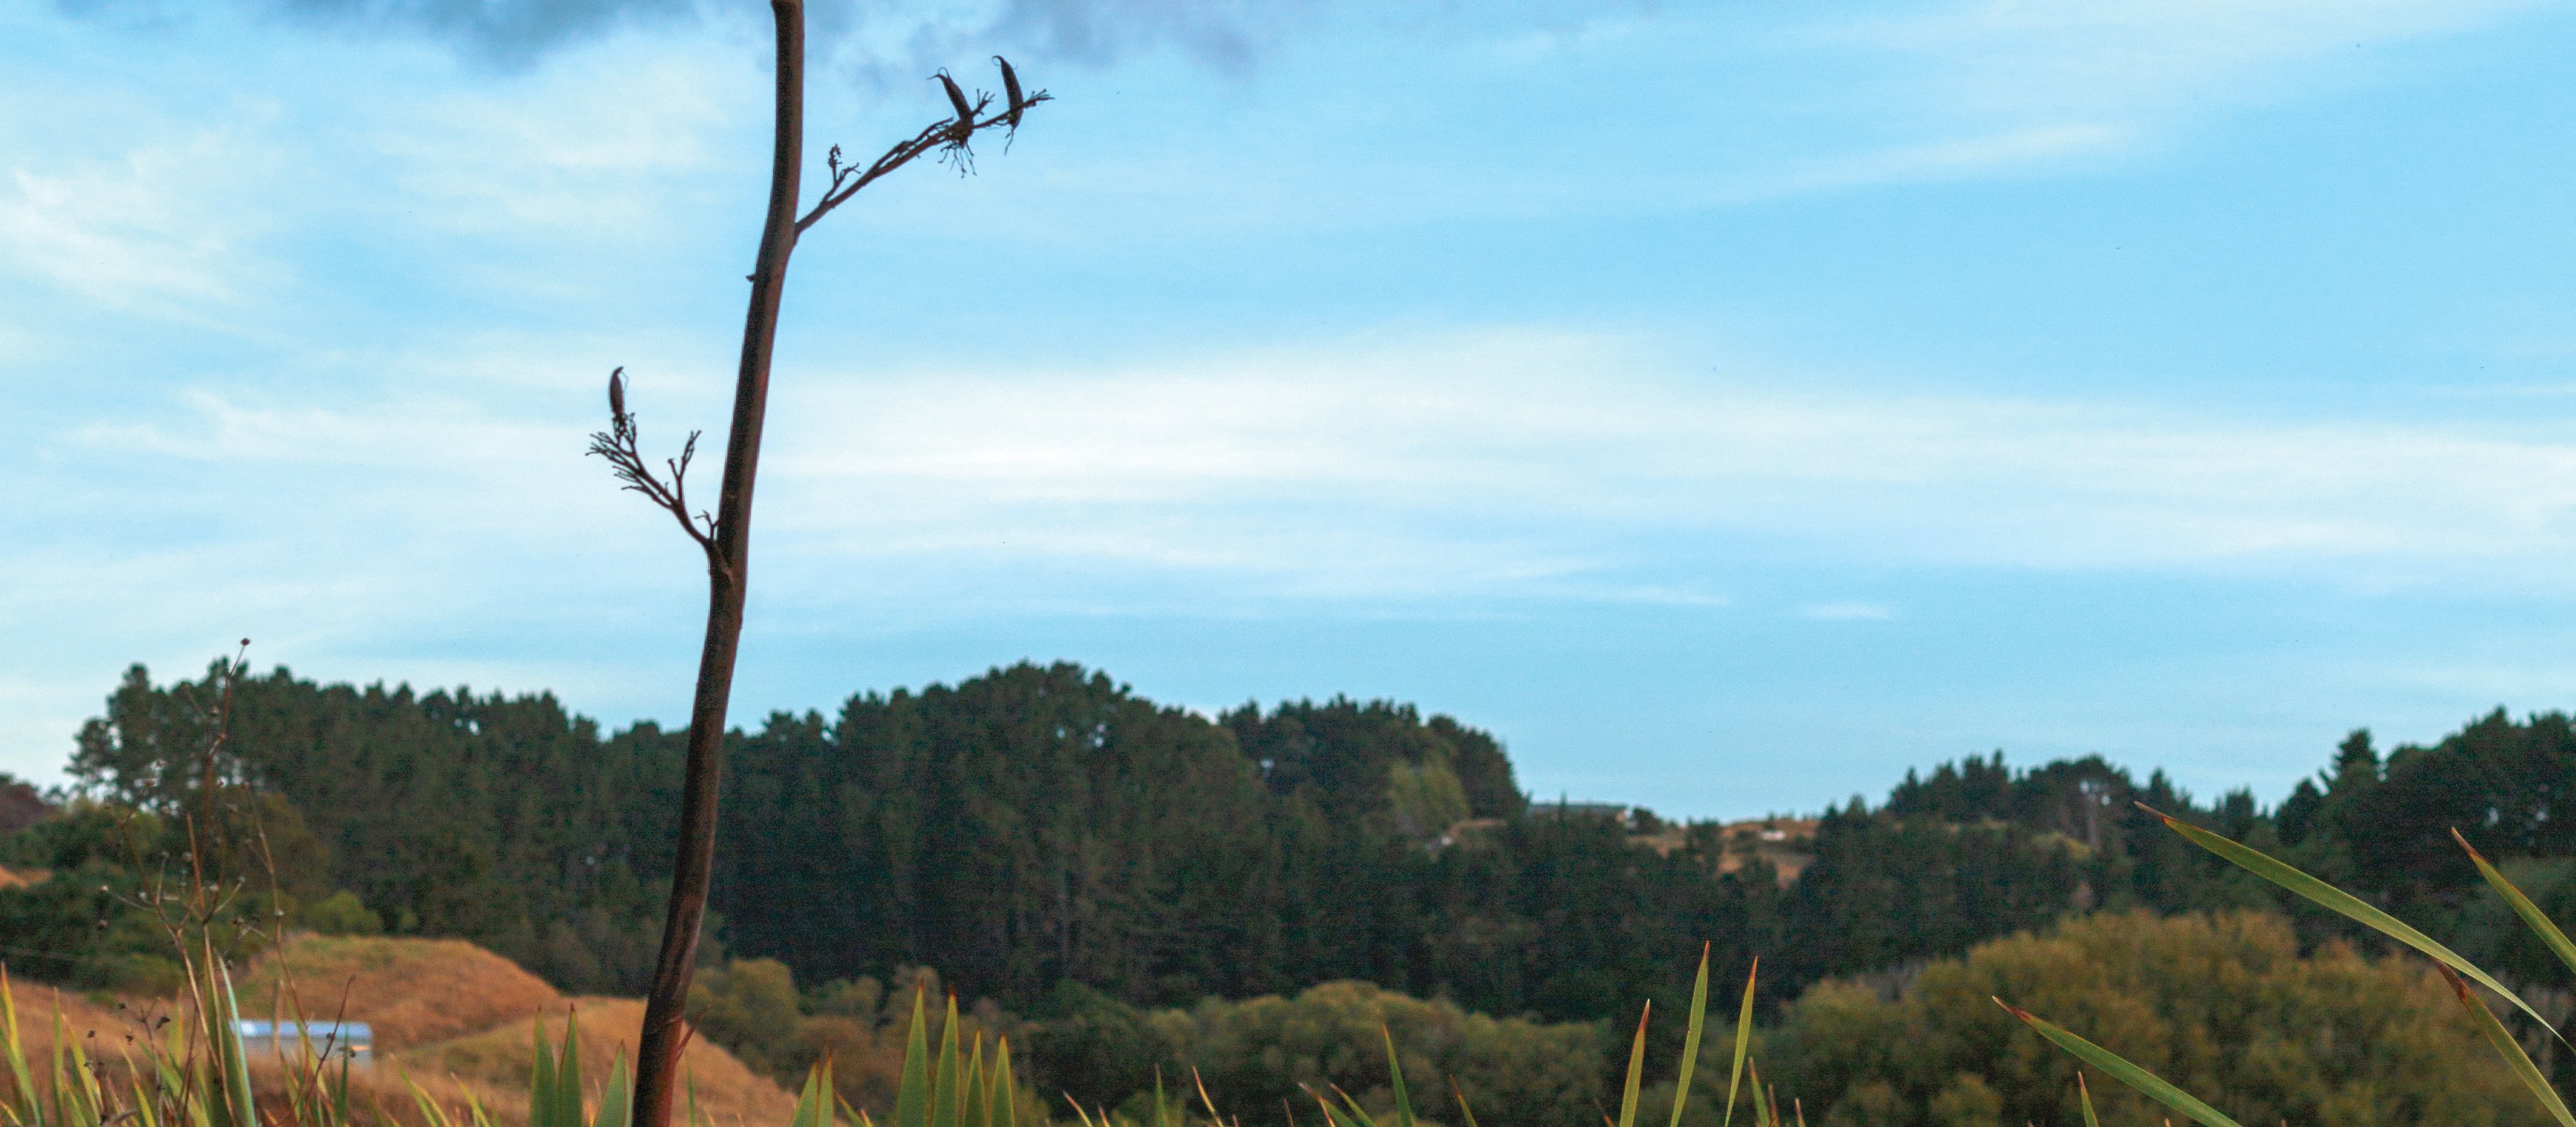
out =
column 506, row 33
column 869, row 37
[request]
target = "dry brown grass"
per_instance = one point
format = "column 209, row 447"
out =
column 102, row 1029
column 452, row 1017
column 461, row 1020
column 108, row 1034
column 412, row 991
column 729, row 1093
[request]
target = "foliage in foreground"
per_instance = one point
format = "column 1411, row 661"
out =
column 1097, row 1052
column 196, row 1072
column 1265, row 1051
column 861, row 1027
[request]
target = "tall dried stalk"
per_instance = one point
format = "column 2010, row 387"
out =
column 725, row 535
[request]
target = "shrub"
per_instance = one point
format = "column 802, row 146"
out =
column 341, row 913
column 1257, row 1053
column 2224, row 1006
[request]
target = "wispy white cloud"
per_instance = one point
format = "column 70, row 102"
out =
column 599, row 142
column 150, row 227
column 1556, row 446
column 1685, row 108
column 1506, row 465
column 2016, row 150
column 2006, row 87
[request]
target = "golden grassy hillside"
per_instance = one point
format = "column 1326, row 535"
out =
column 447, row 1009
column 413, row 991
column 101, row 1028
column 458, row 1020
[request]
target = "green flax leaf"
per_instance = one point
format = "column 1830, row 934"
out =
column 2522, row 906
column 806, row 1098
column 1636, row 1070
column 28, row 1110
column 2120, row 1069
column 2287, row 876
column 2510, row 1050
column 1358, row 1115
column 236, row 1061
column 912, row 1093
column 568, row 1074
column 1394, row 1069
column 1200, row 1082
column 1006, row 1100
column 944, row 1104
column 1743, row 1039
column 616, row 1100
column 972, row 1094
column 1463, row 1110
column 1690, row 1038
column 541, row 1081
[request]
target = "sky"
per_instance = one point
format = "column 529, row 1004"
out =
column 1729, row 405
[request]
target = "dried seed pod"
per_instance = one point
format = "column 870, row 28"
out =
column 957, row 98
column 617, row 394
column 1011, row 90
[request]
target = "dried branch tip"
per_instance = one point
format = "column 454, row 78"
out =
column 951, row 138
column 626, row 461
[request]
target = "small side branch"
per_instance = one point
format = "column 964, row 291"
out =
column 952, row 137
column 617, row 445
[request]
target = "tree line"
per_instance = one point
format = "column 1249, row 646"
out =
column 1052, row 841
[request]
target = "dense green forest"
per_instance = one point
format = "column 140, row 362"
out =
column 1044, row 824
column 1079, row 856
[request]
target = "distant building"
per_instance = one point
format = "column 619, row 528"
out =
column 352, row 1041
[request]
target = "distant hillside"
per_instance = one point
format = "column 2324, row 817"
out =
column 1043, row 825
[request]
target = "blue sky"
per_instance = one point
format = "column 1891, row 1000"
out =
column 1730, row 405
